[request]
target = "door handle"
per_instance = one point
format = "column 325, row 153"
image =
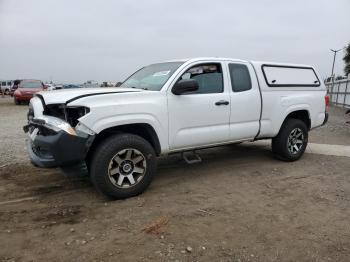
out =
column 222, row 102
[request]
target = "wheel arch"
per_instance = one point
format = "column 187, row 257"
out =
column 301, row 114
column 144, row 130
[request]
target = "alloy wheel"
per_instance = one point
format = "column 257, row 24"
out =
column 127, row 168
column 295, row 141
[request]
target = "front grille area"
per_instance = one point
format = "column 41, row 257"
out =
column 68, row 114
column 61, row 111
column 56, row 110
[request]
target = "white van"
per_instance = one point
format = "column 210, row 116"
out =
column 6, row 86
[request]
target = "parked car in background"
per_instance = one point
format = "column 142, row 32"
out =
column 58, row 86
column 26, row 89
column 70, row 86
column 108, row 84
column 14, row 86
column 66, row 86
column 91, row 83
column 6, row 86
column 49, row 87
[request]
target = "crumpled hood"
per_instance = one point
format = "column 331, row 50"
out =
column 62, row 96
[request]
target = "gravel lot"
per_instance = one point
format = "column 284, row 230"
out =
column 239, row 204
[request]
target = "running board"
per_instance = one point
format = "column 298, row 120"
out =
column 191, row 157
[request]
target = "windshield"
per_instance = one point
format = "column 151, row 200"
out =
column 152, row 77
column 30, row 84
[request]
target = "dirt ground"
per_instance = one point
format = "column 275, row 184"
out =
column 239, row 204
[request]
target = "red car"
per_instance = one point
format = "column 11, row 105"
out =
column 26, row 90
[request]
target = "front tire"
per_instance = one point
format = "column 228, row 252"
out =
column 291, row 141
column 123, row 166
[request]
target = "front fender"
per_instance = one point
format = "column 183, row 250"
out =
column 126, row 119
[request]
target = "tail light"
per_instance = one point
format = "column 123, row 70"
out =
column 326, row 101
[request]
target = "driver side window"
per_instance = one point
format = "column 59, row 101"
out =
column 208, row 76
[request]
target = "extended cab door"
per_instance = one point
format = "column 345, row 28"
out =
column 245, row 101
column 202, row 117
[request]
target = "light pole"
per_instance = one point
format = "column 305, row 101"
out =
column 332, row 76
column 335, row 54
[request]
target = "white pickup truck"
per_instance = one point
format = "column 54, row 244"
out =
column 171, row 107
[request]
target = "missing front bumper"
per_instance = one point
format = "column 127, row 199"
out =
column 57, row 150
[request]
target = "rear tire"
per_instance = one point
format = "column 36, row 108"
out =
column 17, row 102
column 291, row 141
column 122, row 166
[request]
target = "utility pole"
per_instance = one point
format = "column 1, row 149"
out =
column 335, row 54
column 332, row 75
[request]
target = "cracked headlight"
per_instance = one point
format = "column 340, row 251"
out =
column 55, row 124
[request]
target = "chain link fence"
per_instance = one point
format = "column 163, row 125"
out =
column 339, row 92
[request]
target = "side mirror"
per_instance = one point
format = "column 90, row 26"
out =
column 185, row 86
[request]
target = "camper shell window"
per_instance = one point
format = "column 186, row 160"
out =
column 289, row 76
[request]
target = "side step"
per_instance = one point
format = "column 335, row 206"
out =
column 191, row 157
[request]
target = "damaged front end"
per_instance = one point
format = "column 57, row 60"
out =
column 56, row 138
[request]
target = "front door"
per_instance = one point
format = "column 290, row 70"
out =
column 202, row 117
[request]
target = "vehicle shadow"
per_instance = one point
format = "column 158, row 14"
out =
column 237, row 153
column 171, row 169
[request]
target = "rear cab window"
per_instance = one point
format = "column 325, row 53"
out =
column 240, row 77
column 289, row 76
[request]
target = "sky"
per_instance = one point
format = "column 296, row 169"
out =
column 73, row 41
